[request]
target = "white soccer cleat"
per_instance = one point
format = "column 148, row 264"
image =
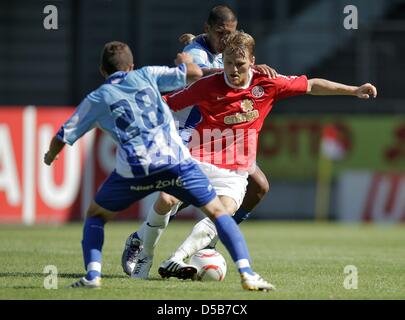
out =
column 255, row 282
column 142, row 267
column 133, row 247
column 178, row 269
column 88, row 284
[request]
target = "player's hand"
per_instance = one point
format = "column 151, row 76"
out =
column 365, row 91
column 264, row 68
column 186, row 38
column 49, row 158
column 183, row 58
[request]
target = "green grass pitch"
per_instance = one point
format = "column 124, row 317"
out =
column 303, row 260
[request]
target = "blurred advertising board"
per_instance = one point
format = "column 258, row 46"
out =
column 371, row 196
column 31, row 192
column 289, row 145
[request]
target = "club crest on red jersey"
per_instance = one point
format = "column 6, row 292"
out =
column 258, row 91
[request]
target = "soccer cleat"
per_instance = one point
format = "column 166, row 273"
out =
column 142, row 267
column 178, row 269
column 88, row 284
column 255, row 282
column 133, row 246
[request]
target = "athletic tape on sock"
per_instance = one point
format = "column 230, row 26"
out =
column 94, row 266
column 242, row 263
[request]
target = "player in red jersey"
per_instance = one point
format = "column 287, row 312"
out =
column 234, row 104
column 206, row 51
column 237, row 111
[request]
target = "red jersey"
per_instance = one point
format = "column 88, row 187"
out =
column 232, row 117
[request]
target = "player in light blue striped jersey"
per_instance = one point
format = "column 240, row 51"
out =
column 138, row 120
column 150, row 155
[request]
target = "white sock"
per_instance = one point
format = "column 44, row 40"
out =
column 141, row 231
column 153, row 229
column 200, row 237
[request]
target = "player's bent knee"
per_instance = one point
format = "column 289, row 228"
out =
column 264, row 187
column 214, row 209
column 96, row 210
column 229, row 204
column 165, row 203
column 259, row 183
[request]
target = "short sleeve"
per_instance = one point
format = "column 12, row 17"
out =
column 289, row 86
column 82, row 120
column 167, row 79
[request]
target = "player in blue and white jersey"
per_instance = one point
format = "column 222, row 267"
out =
column 150, row 155
column 206, row 51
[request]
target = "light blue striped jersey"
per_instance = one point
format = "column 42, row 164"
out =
column 129, row 107
column 188, row 118
column 202, row 56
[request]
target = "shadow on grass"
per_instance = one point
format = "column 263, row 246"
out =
column 158, row 278
column 23, row 287
column 61, row 275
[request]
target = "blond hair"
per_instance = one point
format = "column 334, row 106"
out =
column 238, row 42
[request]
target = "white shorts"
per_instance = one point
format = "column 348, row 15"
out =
column 230, row 183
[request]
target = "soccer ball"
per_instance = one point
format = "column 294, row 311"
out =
column 211, row 265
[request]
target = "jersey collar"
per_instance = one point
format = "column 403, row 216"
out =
column 202, row 41
column 116, row 77
column 247, row 85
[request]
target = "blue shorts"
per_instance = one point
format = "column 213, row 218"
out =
column 185, row 181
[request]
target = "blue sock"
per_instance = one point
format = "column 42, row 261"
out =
column 92, row 244
column 232, row 238
column 240, row 215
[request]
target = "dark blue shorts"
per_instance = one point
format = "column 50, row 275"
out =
column 185, row 181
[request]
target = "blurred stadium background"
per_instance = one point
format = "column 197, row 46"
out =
column 45, row 73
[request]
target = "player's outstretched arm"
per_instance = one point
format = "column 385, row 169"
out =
column 193, row 71
column 322, row 87
column 55, row 148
